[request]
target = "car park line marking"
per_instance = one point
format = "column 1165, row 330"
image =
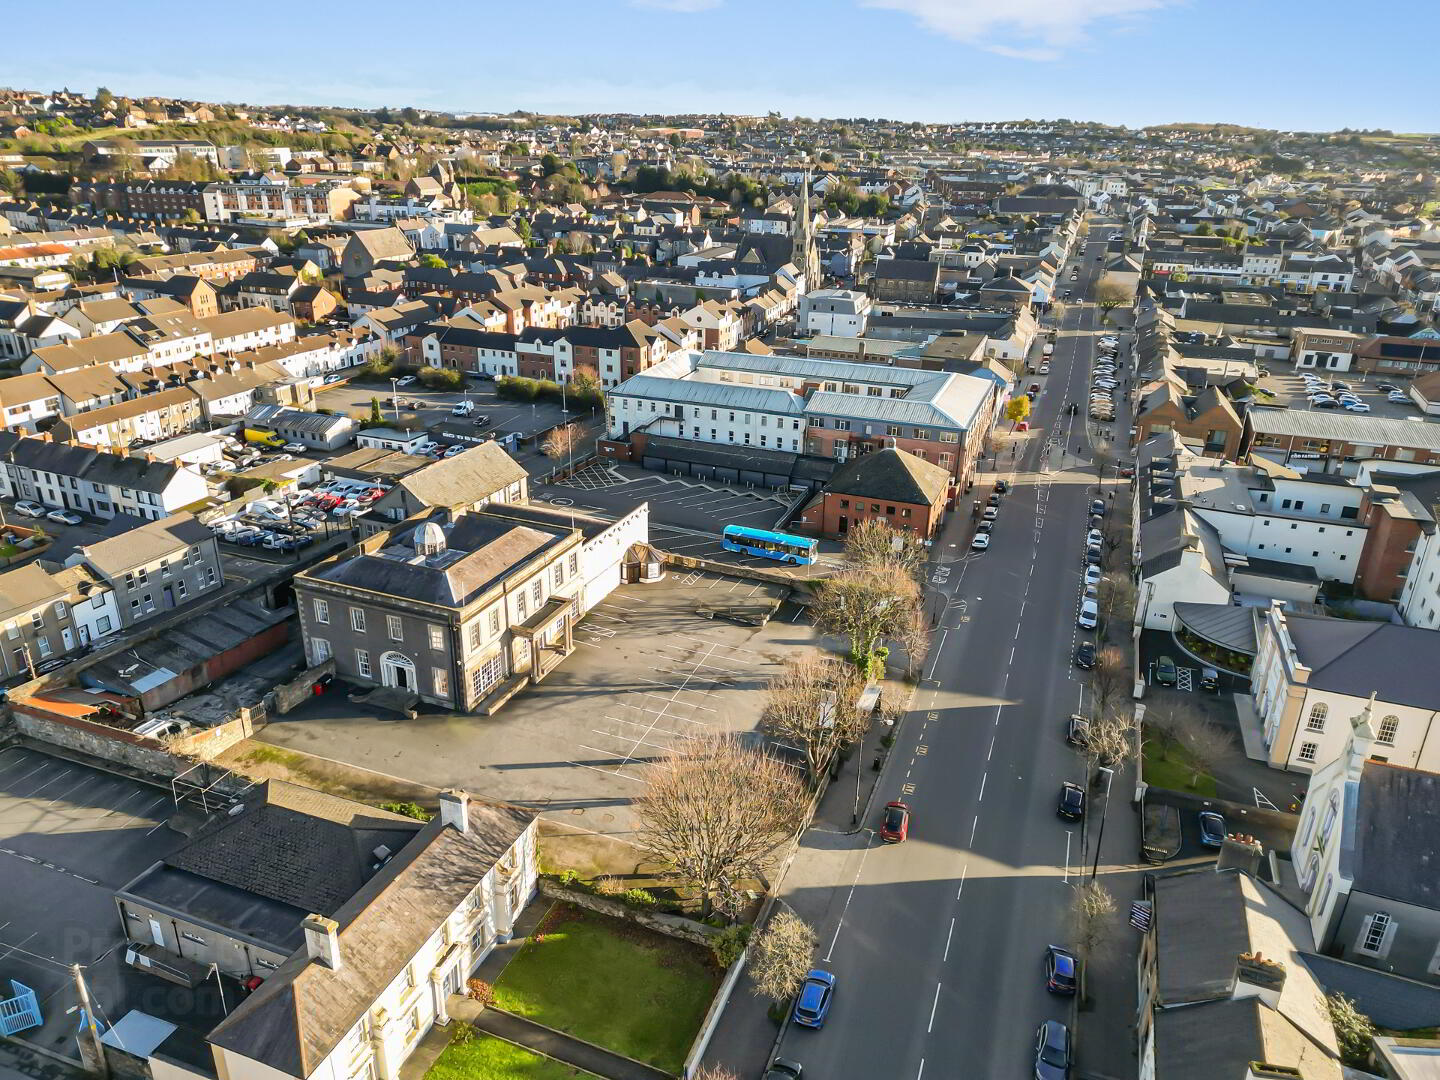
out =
column 636, row 723
column 608, row 772
column 935, row 1005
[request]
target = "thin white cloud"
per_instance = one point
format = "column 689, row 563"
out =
column 685, row 7
column 1021, row 29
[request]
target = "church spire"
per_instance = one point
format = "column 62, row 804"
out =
column 802, row 251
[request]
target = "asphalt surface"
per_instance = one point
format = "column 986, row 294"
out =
column 937, row 944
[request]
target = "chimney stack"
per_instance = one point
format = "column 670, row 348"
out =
column 1240, row 852
column 1255, row 976
column 455, row 809
column 322, row 940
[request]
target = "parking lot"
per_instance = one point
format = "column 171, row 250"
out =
column 686, row 516
column 647, row 673
column 353, row 399
column 69, row 836
column 1285, row 382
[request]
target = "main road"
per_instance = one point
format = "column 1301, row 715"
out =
column 937, row 944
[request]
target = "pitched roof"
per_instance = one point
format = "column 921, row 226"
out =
column 1346, row 656
column 894, row 475
column 1397, row 834
column 475, row 475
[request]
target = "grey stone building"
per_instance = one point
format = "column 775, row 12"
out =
column 154, row 566
column 453, row 608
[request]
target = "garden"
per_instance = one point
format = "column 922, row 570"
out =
column 484, row 1057
column 1168, row 766
column 566, row 976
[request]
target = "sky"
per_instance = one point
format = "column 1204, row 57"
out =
column 1266, row 63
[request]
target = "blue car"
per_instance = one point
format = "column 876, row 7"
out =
column 1212, row 829
column 813, row 1004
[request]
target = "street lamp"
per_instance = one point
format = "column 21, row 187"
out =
column 1100, row 836
column 395, row 398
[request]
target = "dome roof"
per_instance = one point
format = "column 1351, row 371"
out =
column 429, row 539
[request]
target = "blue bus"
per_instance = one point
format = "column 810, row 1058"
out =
column 782, row 547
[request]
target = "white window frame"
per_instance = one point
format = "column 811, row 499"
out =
column 1369, row 942
column 322, row 611
column 1308, row 752
column 1389, row 728
column 362, row 663
column 357, row 620
column 395, row 627
column 1315, row 718
column 436, row 634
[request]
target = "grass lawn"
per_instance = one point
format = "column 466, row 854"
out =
column 487, row 1058
column 1166, row 767
column 612, row 983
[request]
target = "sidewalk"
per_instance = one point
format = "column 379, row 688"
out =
column 1105, row 1025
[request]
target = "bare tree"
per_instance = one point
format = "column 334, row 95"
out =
column 1110, row 740
column 1117, row 595
column 561, row 442
column 1207, row 745
column 914, row 638
column 812, row 704
column 716, row 811
column 1109, row 677
column 875, row 544
column 713, row 1072
column 780, row 957
column 1090, row 912
column 1110, row 293
column 864, row 606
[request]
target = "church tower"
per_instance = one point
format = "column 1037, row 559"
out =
column 802, row 249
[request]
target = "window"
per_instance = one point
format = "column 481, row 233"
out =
column 1375, row 937
column 44, row 643
column 495, row 620
column 573, row 564
column 521, row 609
column 322, row 611
column 1316, row 720
column 362, row 663
column 37, row 620
column 1308, row 751
column 395, row 627
column 319, row 650
column 1388, row 727
column 180, row 590
column 210, row 578
column 60, row 609
column 475, row 634
column 440, row 682
column 357, row 620
column 537, row 593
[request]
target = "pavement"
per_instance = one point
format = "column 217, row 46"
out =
column 938, row 942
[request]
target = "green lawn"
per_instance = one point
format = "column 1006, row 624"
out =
column 1166, row 767
column 612, row 983
column 488, row 1058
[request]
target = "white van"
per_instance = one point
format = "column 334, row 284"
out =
column 463, row 408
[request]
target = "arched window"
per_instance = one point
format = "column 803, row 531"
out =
column 1388, row 727
column 1316, row 720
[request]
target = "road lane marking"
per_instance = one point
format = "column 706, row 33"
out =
column 849, row 896
column 983, row 777
column 934, row 1005
column 947, row 940
column 963, row 871
column 919, row 1074
column 1069, row 834
column 973, row 826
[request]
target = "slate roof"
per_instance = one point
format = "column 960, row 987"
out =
column 1219, row 1041
column 1390, row 1001
column 87, row 464
column 474, row 476
column 1397, row 834
column 297, row 846
column 894, row 475
column 1200, row 929
column 1346, row 656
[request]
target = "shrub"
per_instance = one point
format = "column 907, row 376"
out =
column 437, row 378
column 481, row 991
column 640, row 898
column 516, row 388
column 462, row 1034
column 730, row 943
column 407, row 809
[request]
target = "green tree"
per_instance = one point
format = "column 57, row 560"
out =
column 549, row 165
column 433, row 262
column 1353, row 1030
column 104, row 98
column 522, row 229
column 375, row 418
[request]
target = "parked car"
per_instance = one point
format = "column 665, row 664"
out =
column 990, row 513
column 984, row 526
column 30, row 509
column 812, row 1004
column 1077, row 730
column 1071, row 805
column 1052, row 1051
column 1089, row 616
column 993, row 499
column 1092, row 575
column 1325, row 403
column 295, row 448
column 1212, row 829
column 895, row 824
column 1356, row 407
column 1397, row 398
column 1166, row 674
column 65, row 517
column 980, row 541
column 1002, row 486
column 1061, row 970
column 405, row 380
column 1085, row 655
column 1093, row 555
column 1387, row 387
column 784, row 1069
column 1094, row 536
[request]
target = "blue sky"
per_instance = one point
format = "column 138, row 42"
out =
column 1270, row 63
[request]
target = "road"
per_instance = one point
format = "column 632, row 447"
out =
column 937, row 944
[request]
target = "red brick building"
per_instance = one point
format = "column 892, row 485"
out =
column 890, row 485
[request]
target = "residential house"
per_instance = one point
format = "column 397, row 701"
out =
column 26, row 401
column 1368, row 839
column 154, row 566
column 93, row 482
column 368, row 249
column 1326, row 350
column 833, row 313
column 156, row 416
column 49, row 613
column 1207, row 417
column 889, row 485
column 1313, row 674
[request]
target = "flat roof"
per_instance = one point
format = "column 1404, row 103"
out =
column 1335, row 427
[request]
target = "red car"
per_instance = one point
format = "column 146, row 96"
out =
column 895, row 826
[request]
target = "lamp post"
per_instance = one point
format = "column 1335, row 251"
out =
column 1100, row 836
column 395, row 398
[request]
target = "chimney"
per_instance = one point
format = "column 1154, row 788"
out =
column 1240, row 852
column 322, row 940
column 455, row 809
column 1255, row 976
